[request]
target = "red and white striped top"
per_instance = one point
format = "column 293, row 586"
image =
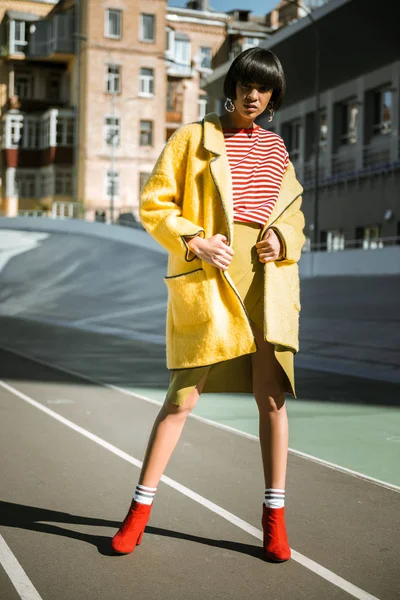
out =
column 257, row 165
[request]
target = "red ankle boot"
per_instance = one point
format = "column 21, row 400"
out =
column 131, row 531
column 276, row 545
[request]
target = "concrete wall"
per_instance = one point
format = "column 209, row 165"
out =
column 383, row 261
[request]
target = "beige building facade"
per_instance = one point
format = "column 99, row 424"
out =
column 193, row 38
column 90, row 92
column 122, row 88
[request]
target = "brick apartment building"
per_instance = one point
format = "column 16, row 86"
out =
column 90, row 92
column 36, row 98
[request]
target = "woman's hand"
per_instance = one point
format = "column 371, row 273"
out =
column 213, row 250
column 270, row 247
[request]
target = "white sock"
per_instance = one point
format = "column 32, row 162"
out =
column 144, row 494
column 274, row 498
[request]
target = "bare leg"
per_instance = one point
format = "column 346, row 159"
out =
column 268, row 388
column 164, row 437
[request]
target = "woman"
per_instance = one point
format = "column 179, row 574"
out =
column 224, row 201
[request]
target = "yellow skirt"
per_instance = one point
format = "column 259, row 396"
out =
column 247, row 273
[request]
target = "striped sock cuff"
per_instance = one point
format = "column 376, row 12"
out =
column 274, row 498
column 144, row 494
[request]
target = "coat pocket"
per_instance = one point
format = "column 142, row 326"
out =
column 189, row 298
column 291, row 274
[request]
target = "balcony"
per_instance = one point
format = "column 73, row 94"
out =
column 177, row 69
column 52, row 37
column 174, row 116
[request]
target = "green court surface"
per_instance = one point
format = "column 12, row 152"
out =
column 359, row 437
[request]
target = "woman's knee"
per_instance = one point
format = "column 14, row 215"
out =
column 270, row 399
column 180, row 410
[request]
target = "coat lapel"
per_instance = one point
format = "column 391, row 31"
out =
column 213, row 141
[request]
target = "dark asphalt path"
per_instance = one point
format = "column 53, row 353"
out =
column 63, row 496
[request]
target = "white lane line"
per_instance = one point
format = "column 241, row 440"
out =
column 17, row 575
column 306, row 562
column 129, row 311
column 127, row 392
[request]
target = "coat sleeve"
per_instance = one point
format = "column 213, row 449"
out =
column 162, row 197
column 290, row 232
column 289, row 228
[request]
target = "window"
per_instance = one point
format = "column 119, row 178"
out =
column 46, row 183
column 16, row 125
column 182, row 52
column 63, row 183
column 12, row 130
column 45, row 132
column 143, row 177
column 332, row 240
column 112, row 185
column 17, row 37
column 146, row 87
column 146, row 133
column 113, row 23
column 112, row 131
column 202, row 106
column 23, row 85
column 383, row 104
column 249, row 42
column 65, row 131
column 113, row 79
column 31, row 133
column 293, row 139
column 205, row 57
column 323, row 130
column 369, row 238
column 147, row 28
column 25, row 184
column 348, row 122
column 169, row 43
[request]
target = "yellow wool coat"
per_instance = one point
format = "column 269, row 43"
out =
column 189, row 193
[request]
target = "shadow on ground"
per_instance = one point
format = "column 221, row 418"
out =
column 49, row 521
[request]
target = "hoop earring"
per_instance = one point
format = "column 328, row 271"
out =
column 229, row 106
column 271, row 115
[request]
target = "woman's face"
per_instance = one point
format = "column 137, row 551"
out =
column 251, row 99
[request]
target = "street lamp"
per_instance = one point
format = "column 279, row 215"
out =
column 317, row 129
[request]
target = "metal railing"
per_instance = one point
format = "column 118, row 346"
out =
column 379, row 156
column 371, row 244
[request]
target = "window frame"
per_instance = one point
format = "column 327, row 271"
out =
column 202, row 56
column 111, row 77
column 108, row 127
column 169, row 43
column 25, row 178
column 114, row 174
column 382, row 127
column 142, row 28
column 65, row 129
column 179, row 57
column 294, row 153
column 29, row 85
column 63, row 176
column 348, row 136
column 107, row 34
column 13, row 42
column 146, row 79
column 13, row 124
column 144, row 132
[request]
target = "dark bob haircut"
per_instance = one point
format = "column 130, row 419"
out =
column 257, row 65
